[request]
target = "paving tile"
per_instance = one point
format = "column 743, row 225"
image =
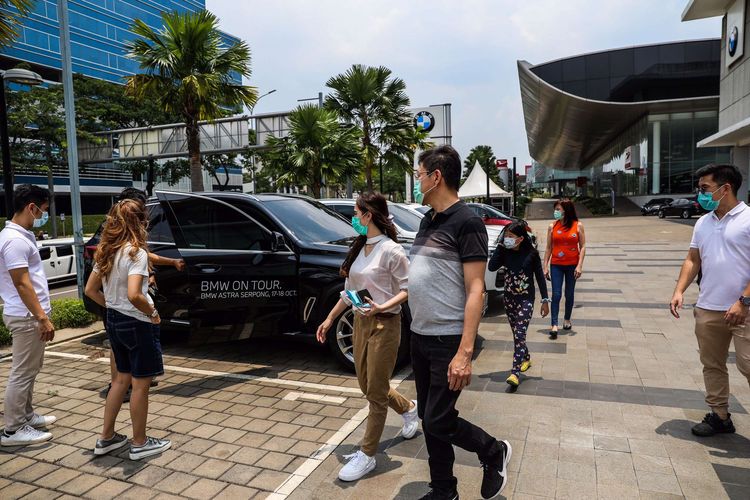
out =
column 81, row 485
column 111, row 488
column 248, row 456
column 611, row 443
column 212, row 468
column 235, row 491
column 240, row 474
column 150, row 476
column 657, row 482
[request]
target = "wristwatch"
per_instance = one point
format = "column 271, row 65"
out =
column 544, row 301
column 745, row 301
column 155, row 313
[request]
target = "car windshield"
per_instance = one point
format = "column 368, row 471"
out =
column 405, row 218
column 310, row 221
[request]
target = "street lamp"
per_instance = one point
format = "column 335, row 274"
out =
column 22, row 77
column 259, row 98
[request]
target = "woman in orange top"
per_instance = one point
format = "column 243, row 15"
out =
column 566, row 249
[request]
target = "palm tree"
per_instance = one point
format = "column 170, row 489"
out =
column 9, row 20
column 191, row 70
column 376, row 102
column 317, row 148
column 486, row 158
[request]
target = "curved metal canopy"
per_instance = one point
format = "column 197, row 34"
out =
column 568, row 132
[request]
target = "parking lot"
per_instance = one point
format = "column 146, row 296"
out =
column 605, row 411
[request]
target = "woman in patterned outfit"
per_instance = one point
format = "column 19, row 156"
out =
column 521, row 263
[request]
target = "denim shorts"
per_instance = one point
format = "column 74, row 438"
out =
column 135, row 345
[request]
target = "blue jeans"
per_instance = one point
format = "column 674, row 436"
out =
column 558, row 273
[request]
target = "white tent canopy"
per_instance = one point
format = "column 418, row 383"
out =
column 476, row 185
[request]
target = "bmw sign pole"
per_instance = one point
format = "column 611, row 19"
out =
column 70, row 131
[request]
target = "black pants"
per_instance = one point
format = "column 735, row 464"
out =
column 441, row 424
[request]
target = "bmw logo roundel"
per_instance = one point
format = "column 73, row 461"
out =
column 424, row 121
column 734, row 38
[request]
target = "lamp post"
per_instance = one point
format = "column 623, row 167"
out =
column 23, row 77
column 255, row 126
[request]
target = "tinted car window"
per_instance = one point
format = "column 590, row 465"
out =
column 404, row 218
column 211, row 224
column 158, row 227
column 345, row 210
column 310, row 221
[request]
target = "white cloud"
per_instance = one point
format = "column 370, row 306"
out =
column 446, row 51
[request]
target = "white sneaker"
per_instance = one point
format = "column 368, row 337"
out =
column 411, row 423
column 38, row 421
column 358, row 465
column 24, row 436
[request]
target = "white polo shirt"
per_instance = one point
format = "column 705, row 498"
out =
column 18, row 249
column 724, row 246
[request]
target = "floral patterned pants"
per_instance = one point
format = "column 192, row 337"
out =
column 519, row 313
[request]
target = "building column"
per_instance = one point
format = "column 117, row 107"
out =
column 741, row 159
column 656, row 155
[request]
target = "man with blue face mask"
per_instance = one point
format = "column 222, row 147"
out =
column 25, row 293
column 720, row 249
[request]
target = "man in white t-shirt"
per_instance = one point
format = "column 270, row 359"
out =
column 25, row 293
column 720, row 249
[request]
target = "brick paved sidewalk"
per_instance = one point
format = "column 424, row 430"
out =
column 605, row 411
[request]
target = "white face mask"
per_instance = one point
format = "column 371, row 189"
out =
column 509, row 243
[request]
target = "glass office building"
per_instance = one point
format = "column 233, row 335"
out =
column 626, row 119
column 99, row 30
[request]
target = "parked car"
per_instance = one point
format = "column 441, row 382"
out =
column 422, row 209
column 684, row 208
column 256, row 265
column 651, row 207
column 491, row 216
column 58, row 257
column 406, row 221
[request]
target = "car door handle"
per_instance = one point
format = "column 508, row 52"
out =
column 208, row 268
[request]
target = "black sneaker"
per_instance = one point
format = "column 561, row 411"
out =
column 553, row 335
column 104, row 446
column 495, row 474
column 436, row 494
column 713, row 424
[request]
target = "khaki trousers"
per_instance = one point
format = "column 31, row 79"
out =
column 28, row 356
column 376, row 342
column 714, row 337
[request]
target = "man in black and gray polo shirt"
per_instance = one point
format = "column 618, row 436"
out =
column 446, row 286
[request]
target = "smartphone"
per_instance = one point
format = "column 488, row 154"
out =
column 364, row 295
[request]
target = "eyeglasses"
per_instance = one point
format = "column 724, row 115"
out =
column 419, row 175
column 702, row 190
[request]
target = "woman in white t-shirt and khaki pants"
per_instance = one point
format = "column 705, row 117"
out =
column 119, row 282
column 378, row 264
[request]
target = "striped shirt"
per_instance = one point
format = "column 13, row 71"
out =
column 437, row 292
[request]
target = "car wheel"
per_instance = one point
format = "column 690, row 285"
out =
column 341, row 339
column 661, row 214
column 685, row 214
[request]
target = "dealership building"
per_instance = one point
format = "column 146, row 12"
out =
column 638, row 120
column 99, row 32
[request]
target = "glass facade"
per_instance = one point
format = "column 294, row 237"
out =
column 672, row 154
column 99, row 30
column 655, row 72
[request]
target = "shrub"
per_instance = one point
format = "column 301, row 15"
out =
column 66, row 313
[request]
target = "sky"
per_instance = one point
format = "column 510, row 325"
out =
column 462, row 52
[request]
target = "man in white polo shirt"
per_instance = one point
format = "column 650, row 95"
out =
column 26, row 308
column 720, row 249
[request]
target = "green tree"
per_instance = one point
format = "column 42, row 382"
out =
column 9, row 20
column 191, row 70
column 486, row 158
column 376, row 103
column 318, row 149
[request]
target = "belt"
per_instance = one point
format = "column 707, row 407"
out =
column 385, row 315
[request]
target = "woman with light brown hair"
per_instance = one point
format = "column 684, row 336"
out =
column 119, row 282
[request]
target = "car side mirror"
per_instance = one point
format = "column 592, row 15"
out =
column 278, row 242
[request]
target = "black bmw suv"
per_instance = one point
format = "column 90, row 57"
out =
column 256, row 265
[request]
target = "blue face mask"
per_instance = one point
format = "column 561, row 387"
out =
column 557, row 214
column 418, row 194
column 41, row 220
column 707, row 202
column 357, row 225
